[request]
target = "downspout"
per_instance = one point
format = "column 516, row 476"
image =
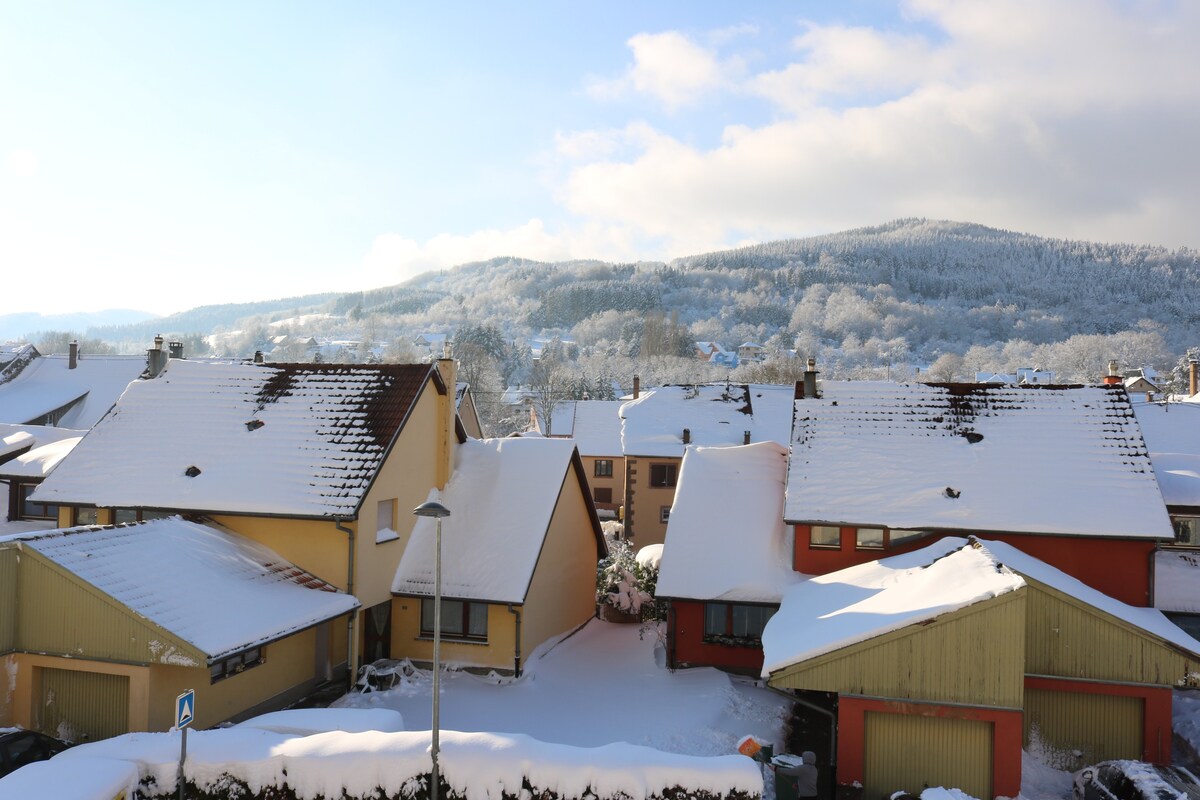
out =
column 516, row 612
column 351, row 667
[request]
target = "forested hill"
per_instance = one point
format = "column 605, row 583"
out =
column 906, row 291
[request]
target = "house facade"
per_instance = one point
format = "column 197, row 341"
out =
column 595, row 426
column 320, row 463
column 92, row 654
column 660, row 423
column 520, row 549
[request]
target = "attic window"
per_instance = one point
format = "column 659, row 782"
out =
column 254, row 424
column 192, row 471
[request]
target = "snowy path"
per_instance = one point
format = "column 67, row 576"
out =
column 604, row 684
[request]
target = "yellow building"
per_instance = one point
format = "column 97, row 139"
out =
column 101, row 628
column 519, row 555
column 595, row 425
column 319, row 462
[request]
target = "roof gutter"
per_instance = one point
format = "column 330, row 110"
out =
column 351, row 660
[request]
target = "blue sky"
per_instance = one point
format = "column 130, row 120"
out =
column 166, row 155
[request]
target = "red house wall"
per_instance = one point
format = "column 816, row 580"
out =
column 1006, row 737
column 688, row 649
column 1120, row 568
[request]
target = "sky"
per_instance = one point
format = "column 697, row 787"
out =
column 161, row 156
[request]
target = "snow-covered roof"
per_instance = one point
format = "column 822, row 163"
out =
column 501, row 498
column 726, row 539
column 47, row 384
column 302, row 440
column 1150, row 620
column 974, row 458
column 14, row 441
column 715, row 414
column 211, row 588
column 1172, row 433
column 595, row 425
column 833, row 611
column 48, row 446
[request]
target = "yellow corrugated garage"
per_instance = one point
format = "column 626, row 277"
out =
column 82, row 706
column 910, row 753
column 1098, row 726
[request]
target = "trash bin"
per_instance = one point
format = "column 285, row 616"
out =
column 787, row 770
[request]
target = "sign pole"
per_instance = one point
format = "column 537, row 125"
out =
column 182, row 758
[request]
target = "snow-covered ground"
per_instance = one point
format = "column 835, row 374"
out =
column 604, row 684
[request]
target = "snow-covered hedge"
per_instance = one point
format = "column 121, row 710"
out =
column 251, row 764
column 625, row 581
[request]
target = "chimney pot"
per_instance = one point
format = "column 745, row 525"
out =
column 258, row 356
column 746, row 437
column 810, row 379
column 1113, row 377
column 73, row 354
column 687, row 435
column 637, row 387
column 1193, row 377
column 158, row 342
column 176, row 349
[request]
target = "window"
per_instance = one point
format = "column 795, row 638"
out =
column 460, row 619
column 228, row 667
column 1187, row 530
column 603, row 468
column 84, row 516
column 869, row 539
column 122, row 515
column 664, row 514
column 825, row 536
column 602, row 495
column 662, row 474
column 385, row 521
column 31, row 509
column 899, row 536
column 735, row 623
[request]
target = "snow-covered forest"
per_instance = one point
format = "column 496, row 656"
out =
column 946, row 298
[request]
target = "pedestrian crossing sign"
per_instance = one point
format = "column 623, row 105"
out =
column 185, row 708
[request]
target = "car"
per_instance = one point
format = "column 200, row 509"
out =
column 19, row 747
column 1136, row 780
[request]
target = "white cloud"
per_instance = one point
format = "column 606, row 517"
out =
column 1067, row 119
column 669, row 67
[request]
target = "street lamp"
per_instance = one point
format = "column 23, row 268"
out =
column 437, row 511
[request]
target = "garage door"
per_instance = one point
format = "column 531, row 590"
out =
column 911, row 753
column 1097, row 726
column 83, row 706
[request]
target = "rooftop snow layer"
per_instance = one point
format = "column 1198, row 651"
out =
column 1172, row 433
column 974, row 458
column 49, row 446
column 501, row 498
column 299, row 440
column 829, row 612
column 595, row 425
column 726, row 539
column 211, row 588
column 713, row 414
column 47, row 384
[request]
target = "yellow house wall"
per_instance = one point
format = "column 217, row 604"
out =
column 469, row 415
column 25, row 690
column 288, row 664
column 407, row 476
column 496, row 653
column 562, row 592
column 644, row 503
column 8, row 599
column 616, row 482
column 1068, row 639
column 974, row 656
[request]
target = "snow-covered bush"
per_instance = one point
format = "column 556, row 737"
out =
column 624, row 583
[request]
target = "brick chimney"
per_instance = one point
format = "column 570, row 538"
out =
column 1113, row 378
column 687, row 435
column 746, row 437
column 175, row 349
column 73, row 354
column 637, row 387
column 1193, row 377
column 258, row 356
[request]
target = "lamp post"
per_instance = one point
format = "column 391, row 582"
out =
column 437, row 511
